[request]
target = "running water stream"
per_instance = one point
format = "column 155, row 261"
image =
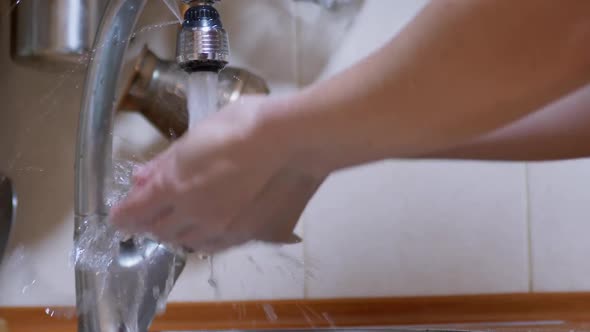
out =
column 201, row 95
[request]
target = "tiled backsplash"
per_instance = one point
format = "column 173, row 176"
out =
column 415, row 228
column 560, row 225
column 390, row 228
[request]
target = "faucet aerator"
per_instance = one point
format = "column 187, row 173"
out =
column 202, row 42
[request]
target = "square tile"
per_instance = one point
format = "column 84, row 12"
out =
column 559, row 225
column 418, row 228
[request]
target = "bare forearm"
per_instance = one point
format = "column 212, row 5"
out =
column 460, row 69
column 558, row 131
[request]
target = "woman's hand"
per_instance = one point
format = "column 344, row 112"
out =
column 226, row 182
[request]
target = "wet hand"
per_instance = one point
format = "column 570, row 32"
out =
column 226, row 182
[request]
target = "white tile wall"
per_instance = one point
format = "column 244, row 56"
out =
column 401, row 228
column 560, row 226
column 559, row 213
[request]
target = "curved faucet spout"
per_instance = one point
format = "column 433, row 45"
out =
column 140, row 270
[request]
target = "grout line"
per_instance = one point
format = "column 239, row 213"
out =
column 296, row 67
column 297, row 42
column 529, row 227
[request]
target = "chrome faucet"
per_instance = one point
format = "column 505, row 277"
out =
column 104, row 304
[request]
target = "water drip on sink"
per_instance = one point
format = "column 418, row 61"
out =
column 269, row 311
column 61, row 313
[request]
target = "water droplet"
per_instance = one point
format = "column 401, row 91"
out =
column 49, row 312
column 328, row 319
column 172, row 133
column 27, row 287
column 269, row 312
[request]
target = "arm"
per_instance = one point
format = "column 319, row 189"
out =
column 560, row 130
column 459, row 70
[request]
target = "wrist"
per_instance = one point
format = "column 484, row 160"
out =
column 286, row 122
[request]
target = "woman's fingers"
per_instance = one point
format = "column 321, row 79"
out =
column 143, row 205
column 170, row 229
column 221, row 185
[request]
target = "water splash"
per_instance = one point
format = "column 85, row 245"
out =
column 122, row 180
column 212, row 280
column 298, row 264
column 98, row 241
column 61, row 313
column 151, row 27
column 96, row 245
column 29, row 169
column 305, row 316
column 162, row 300
column 49, row 312
column 132, row 308
column 19, row 260
column 174, row 8
column 26, row 287
column 328, row 319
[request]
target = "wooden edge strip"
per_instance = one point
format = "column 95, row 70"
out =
column 553, row 308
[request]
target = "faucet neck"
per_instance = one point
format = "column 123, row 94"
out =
column 112, row 300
